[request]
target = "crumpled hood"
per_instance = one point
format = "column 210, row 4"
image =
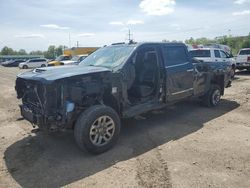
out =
column 50, row 74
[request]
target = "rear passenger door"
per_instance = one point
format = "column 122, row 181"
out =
column 32, row 63
column 217, row 56
column 179, row 72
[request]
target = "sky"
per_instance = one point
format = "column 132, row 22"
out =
column 34, row 25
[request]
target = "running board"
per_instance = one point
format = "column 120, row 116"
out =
column 142, row 108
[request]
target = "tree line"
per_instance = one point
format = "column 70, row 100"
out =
column 51, row 53
column 235, row 43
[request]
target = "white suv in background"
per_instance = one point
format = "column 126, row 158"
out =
column 243, row 59
column 33, row 63
column 213, row 55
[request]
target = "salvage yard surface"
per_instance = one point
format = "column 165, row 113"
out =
column 186, row 145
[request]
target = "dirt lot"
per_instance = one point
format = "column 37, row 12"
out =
column 186, row 145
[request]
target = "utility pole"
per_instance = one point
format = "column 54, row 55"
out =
column 69, row 41
column 130, row 35
column 229, row 32
column 77, row 44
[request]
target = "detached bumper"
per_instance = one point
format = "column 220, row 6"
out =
column 31, row 116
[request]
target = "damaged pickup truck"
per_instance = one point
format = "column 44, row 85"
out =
column 115, row 82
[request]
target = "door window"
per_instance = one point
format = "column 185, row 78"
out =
column 223, row 54
column 217, row 53
column 32, row 61
column 174, row 55
column 66, row 58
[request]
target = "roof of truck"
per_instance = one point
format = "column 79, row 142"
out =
column 145, row 43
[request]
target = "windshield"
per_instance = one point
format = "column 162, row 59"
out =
column 109, row 57
column 200, row 53
column 244, row 52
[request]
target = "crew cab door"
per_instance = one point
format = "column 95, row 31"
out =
column 179, row 72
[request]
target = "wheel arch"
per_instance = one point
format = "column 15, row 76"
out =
column 219, row 80
column 111, row 101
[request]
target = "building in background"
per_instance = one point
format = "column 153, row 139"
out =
column 79, row 50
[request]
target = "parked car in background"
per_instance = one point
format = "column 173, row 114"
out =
column 75, row 60
column 34, row 63
column 13, row 63
column 243, row 59
column 214, row 55
column 58, row 60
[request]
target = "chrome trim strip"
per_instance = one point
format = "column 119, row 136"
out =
column 179, row 92
column 171, row 66
column 190, row 70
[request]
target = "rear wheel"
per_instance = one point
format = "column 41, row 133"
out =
column 25, row 67
column 213, row 96
column 97, row 129
column 43, row 65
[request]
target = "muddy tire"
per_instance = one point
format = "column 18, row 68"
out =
column 213, row 96
column 97, row 129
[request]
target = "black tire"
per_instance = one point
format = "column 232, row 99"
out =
column 233, row 72
column 212, row 98
column 43, row 65
column 25, row 67
column 85, row 123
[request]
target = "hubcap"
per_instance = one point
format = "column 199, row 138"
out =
column 102, row 130
column 216, row 97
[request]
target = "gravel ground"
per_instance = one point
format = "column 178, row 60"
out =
column 186, row 145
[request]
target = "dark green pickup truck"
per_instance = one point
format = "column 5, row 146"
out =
column 115, row 82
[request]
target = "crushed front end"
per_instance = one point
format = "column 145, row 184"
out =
column 54, row 100
column 42, row 104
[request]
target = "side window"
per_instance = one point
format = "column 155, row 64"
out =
column 82, row 58
column 66, row 58
column 145, row 57
column 174, row 55
column 217, row 53
column 223, row 54
column 41, row 60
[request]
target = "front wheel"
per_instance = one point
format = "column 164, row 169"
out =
column 25, row 67
column 43, row 65
column 97, row 129
column 213, row 96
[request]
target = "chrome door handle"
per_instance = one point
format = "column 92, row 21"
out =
column 190, row 70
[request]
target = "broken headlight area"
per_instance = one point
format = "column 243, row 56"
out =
column 42, row 104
